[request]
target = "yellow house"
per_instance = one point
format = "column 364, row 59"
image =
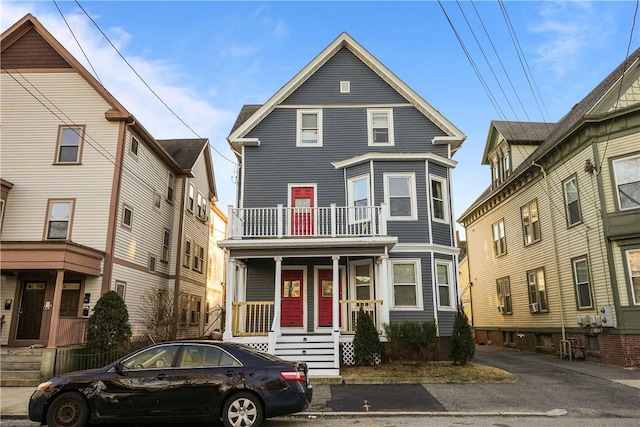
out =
column 554, row 243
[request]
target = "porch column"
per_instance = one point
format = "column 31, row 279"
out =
column 230, row 295
column 385, row 289
column 55, row 310
column 336, row 293
column 277, row 299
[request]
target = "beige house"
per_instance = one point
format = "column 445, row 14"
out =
column 554, row 244
column 91, row 201
column 214, row 317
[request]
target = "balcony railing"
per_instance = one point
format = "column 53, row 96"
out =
column 333, row 221
column 71, row 331
column 352, row 308
column 252, row 318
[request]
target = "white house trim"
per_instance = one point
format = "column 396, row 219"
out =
column 372, row 156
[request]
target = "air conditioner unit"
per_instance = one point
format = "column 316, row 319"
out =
column 595, row 320
column 501, row 309
column 580, row 320
column 533, row 307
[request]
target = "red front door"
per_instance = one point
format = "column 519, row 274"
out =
column 325, row 297
column 302, row 202
column 292, row 299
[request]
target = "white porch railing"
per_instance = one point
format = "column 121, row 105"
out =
column 333, row 221
column 351, row 309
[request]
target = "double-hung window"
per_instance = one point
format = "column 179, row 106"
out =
column 171, row 185
column 400, row 196
column 530, row 223
column 633, row 264
column 581, row 281
column 309, row 128
column 359, row 200
column 537, row 291
column 69, row 144
column 166, row 241
column 191, row 200
column 439, row 211
column 127, row 216
column 59, row 216
column 407, row 288
column 446, row 298
column 627, row 176
column 198, row 258
column 186, row 259
column 380, row 125
column 571, row 202
column 499, row 238
column 503, row 293
column 134, row 148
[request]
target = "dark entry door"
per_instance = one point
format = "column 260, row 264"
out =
column 292, row 299
column 326, row 289
column 31, row 307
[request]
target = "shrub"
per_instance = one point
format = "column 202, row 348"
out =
column 411, row 340
column 462, row 345
column 108, row 328
column 366, row 342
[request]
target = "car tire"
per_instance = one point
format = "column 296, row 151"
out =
column 68, row 410
column 242, row 409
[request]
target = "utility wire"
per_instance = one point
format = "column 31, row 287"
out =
column 147, row 85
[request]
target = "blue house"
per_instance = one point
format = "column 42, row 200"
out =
column 343, row 202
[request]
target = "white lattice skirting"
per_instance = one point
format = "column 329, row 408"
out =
column 349, row 355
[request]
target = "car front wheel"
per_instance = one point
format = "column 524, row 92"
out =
column 68, row 410
column 242, row 410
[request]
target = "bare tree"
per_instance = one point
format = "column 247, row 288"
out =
column 160, row 318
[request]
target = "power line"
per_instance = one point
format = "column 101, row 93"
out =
column 147, row 85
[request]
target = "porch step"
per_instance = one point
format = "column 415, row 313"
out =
column 315, row 350
column 20, row 367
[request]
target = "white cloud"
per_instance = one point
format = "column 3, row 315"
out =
column 169, row 82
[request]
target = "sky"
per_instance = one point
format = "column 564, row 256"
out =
column 472, row 61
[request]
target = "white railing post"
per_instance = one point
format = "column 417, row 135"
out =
column 374, row 214
column 384, row 214
column 230, row 224
column 277, row 299
column 334, row 224
column 230, row 286
column 280, row 221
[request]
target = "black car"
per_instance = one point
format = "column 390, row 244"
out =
column 180, row 381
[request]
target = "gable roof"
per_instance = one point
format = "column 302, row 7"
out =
column 186, row 152
column 454, row 136
column 583, row 112
column 28, row 45
column 515, row 133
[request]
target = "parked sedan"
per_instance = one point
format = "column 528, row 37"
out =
column 180, row 381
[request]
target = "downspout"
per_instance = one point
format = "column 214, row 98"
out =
column 176, row 284
column 555, row 249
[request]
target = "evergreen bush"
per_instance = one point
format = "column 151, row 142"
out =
column 108, row 328
column 366, row 342
column 462, row 344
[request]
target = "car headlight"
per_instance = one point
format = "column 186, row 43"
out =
column 45, row 386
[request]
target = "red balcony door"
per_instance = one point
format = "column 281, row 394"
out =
column 325, row 297
column 292, row 309
column 303, row 202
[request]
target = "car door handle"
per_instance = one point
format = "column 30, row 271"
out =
column 231, row 373
column 161, row 376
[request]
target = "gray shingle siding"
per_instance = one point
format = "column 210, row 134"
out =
column 323, row 87
column 427, row 312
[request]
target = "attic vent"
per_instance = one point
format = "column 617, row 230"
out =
column 345, row 87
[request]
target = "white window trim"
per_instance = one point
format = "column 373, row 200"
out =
column 72, row 206
column 345, row 86
column 155, row 263
column 452, row 297
column 615, row 177
column 566, row 201
column 351, row 201
column 576, row 284
column 496, row 245
column 299, row 143
column 370, row 112
column 418, row 278
column 191, row 197
column 634, row 297
column 412, row 195
column 445, row 199
column 125, row 208
column 124, row 288
column 135, row 154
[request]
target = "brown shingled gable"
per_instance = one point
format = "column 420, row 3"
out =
column 31, row 51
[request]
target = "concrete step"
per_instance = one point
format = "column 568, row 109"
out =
column 22, row 351
column 20, row 375
column 18, row 365
column 16, row 382
column 325, row 376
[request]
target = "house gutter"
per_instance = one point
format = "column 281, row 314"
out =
column 555, row 249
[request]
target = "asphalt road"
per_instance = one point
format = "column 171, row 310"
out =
column 544, row 383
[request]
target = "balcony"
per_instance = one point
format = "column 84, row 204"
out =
column 282, row 222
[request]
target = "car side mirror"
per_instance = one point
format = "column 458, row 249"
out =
column 121, row 369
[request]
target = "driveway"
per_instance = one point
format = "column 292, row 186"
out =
column 545, row 383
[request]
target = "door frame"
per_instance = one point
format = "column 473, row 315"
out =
column 305, row 300
column 314, row 217
column 316, row 296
